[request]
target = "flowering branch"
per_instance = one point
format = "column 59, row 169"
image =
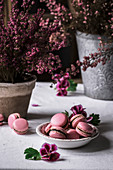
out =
column 27, row 43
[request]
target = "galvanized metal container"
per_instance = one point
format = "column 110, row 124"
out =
column 98, row 81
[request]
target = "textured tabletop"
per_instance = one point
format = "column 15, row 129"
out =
column 97, row 155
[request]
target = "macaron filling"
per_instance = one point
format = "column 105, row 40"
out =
column 58, row 131
column 21, row 132
column 65, row 124
column 89, row 133
column 1, row 121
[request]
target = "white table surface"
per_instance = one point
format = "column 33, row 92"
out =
column 97, row 155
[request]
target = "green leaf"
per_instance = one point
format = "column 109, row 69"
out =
column 66, row 113
column 32, row 154
column 96, row 119
column 72, row 86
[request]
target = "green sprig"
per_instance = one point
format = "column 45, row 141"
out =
column 66, row 113
column 33, row 154
column 72, row 86
column 96, row 119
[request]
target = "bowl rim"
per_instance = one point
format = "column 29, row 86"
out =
column 38, row 128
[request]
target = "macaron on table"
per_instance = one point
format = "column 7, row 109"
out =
column 17, row 124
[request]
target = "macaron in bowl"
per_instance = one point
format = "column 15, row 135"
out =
column 76, row 119
column 72, row 134
column 84, row 129
column 1, row 119
column 57, row 132
column 47, row 128
column 12, row 117
column 20, row 126
column 60, row 119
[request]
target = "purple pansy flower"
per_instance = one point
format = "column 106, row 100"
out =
column 48, row 152
column 62, row 84
column 78, row 109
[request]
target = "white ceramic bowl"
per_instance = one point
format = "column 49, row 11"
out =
column 66, row 143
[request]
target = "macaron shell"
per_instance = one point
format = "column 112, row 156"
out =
column 47, row 128
column 57, row 132
column 1, row 119
column 76, row 119
column 12, row 117
column 60, row 119
column 20, row 126
column 84, row 129
column 72, row 134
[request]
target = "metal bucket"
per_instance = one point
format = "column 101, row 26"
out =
column 98, row 81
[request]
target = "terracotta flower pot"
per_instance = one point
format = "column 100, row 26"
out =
column 14, row 98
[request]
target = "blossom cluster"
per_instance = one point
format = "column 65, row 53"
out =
column 94, row 16
column 28, row 42
column 61, row 13
column 93, row 59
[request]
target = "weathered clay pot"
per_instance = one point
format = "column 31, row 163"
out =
column 98, row 81
column 14, row 98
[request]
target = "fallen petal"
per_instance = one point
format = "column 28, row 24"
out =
column 35, row 105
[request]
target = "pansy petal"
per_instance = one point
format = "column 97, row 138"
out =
column 43, row 151
column 54, row 156
column 53, row 147
column 46, row 146
column 78, row 107
column 84, row 113
column 89, row 119
column 46, row 158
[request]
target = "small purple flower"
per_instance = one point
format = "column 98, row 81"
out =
column 78, row 109
column 48, row 152
column 62, row 84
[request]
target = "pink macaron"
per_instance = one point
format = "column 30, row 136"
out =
column 72, row 134
column 57, row 132
column 12, row 117
column 84, row 129
column 47, row 128
column 1, row 119
column 76, row 119
column 20, row 126
column 60, row 119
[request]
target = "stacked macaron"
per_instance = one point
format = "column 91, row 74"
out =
column 1, row 119
column 18, row 124
column 62, row 127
